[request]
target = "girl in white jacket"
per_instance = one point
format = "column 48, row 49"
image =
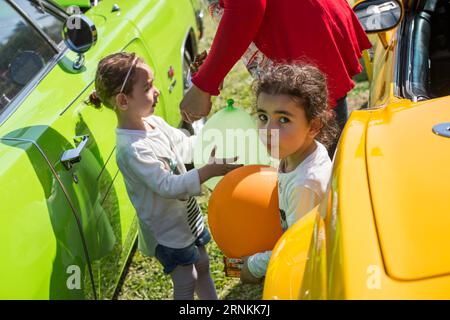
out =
column 292, row 105
column 151, row 156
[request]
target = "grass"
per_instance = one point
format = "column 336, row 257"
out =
column 145, row 279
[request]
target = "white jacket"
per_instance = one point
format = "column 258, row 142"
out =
column 152, row 164
column 299, row 191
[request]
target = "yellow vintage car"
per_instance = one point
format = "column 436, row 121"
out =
column 383, row 230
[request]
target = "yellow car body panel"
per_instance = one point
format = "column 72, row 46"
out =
column 411, row 216
column 292, row 250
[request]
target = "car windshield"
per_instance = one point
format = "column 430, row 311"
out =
column 24, row 52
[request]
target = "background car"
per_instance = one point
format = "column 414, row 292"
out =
column 67, row 227
column 382, row 231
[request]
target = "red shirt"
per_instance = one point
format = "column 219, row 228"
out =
column 325, row 33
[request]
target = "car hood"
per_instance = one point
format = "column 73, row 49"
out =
column 409, row 178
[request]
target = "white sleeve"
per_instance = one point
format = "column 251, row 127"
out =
column 146, row 167
column 184, row 144
column 301, row 201
column 257, row 263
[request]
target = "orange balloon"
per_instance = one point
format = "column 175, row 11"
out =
column 243, row 211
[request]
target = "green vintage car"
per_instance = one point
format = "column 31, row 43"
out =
column 67, row 227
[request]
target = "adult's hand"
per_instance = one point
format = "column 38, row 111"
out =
column 195, row 104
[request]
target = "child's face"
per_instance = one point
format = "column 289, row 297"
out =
column 144, row 97
column 281, row 113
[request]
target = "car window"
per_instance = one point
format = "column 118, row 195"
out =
column 51, row 24
column 23, row 53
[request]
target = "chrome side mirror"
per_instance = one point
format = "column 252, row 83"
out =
column 379, row 15
column 80, row 35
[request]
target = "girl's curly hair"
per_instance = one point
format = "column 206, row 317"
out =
column 307, row 86
column 110, row 76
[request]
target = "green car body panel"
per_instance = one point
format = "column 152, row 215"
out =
column 68, row 233
column 78, row 3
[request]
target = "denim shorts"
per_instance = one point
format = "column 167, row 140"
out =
column 170, row 258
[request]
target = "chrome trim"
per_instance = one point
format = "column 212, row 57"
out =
column 183, row 48
column 196, row 125
column 115, row 8
column 79, row 63
column 397, row 60
column 442, row 129
column 72, row 156
column 402, row 85
column 93, row 33
column 74, row 211
column 409, row 53
column 409, row 92
column 183, row 45
column 31, row 21
column 53, row 7
column 200, row 20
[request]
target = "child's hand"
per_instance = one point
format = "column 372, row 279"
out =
column 217, row 167
column 246, row 276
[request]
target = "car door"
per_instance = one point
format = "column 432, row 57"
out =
column 43, row 250
column 89, row 200
column 92, row 218
column 92, row 178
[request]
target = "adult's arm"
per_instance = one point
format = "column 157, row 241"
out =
column 238, row 27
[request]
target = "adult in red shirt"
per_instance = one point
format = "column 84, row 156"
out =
column 325, row 33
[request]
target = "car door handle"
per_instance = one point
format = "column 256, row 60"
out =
column 72, row 156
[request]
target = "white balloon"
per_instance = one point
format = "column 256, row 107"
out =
column 234, row 133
